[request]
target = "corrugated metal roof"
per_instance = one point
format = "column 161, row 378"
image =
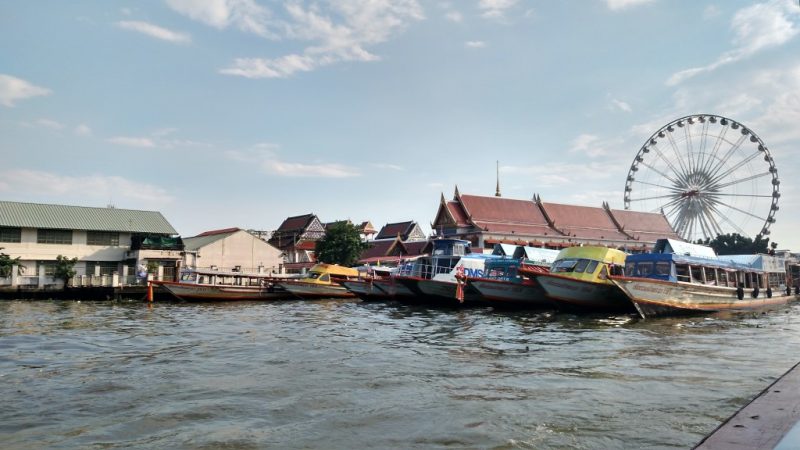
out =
column 193, row 244
column 37, row 215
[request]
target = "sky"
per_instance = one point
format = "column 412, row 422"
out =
column 240, row 113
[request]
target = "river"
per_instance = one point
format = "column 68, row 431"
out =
column 347, row 374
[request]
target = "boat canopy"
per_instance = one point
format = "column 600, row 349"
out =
column 767, row 263
column 683, row 248
column 334, row 270
column 537, row 255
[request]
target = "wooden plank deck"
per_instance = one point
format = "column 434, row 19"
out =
column 762, row 423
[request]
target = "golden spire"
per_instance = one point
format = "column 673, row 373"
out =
column 497, row 193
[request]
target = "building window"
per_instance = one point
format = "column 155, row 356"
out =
column 106, row 268
column 49, row 268
column 10, row 234
column 106, row 238
column 54, row 236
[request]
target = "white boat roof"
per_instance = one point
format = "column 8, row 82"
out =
column 683, row 248
column 542, row 255
column 764, row 262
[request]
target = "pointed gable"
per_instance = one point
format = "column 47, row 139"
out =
column 505, row 215
column 406, row 230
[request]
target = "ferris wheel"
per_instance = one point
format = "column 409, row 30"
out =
column 709, row 175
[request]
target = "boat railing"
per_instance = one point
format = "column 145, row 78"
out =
column 424, row 270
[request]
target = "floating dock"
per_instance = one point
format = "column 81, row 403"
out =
column 770, row 421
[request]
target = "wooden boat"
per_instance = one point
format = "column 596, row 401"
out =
column 212, row 285
column 666, row 282
column 438, row 278
column 366, row 287
column 578, row 279
column 322, row 281
column 502, row 284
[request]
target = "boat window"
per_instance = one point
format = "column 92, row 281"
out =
column 314, row 275
column 663, row 268
column 723, row 278
column 581, row 266
column 645, row 268
column 564, row 265
column 711, row 275
column 629, row 268
column 697, row 274
column 591, row 267
column 325, row 277
column 603, row 273
column 189, row 277
column 682, row 272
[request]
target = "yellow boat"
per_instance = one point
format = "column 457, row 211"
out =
column 579, row 279
column 322, row 281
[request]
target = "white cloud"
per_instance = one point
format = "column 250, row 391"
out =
column 556, row 174
column 388, row 166
column 495, row 9
column 617, row 5
column 13, row 89
column 83, row 130
column 454, row 16
column 757, row 27
column 265, row 157
column 588, row 144
column 711, row 12
column 340, row 34
column 246, row 15
column 141, row 142
column 52, row 124
column 91, row 187
column 155, row 31
column 475, row 44
column 620, row 105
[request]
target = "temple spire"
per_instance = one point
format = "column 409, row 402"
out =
column 497, row 193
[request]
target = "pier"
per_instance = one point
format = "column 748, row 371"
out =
column 770, row 421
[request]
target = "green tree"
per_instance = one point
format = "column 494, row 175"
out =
column 341, row 245
column 736, row 244
column 65, row 269
column 7, row 263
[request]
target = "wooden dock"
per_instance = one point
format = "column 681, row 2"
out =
column 765, row 421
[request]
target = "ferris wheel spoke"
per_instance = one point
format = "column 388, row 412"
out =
column 659, row 172
column 666, row 160
column 741, row 211
column 717, row 146
column 721, row 163
column 729, row 222
column 703, row 139
column 651, row 198
column 742, row 180
column 744, row 195
column 733, row 169
column 690, row 147
column 712, row 222
column 677, row 154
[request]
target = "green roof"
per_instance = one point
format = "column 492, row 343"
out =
column 37, row 215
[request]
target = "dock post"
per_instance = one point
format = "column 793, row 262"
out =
column 150, row 291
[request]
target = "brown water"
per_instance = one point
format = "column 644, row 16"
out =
column 344, row 374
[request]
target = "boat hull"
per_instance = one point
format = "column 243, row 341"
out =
column 394, row 289
column 660, row 298
column 436, row 291
column 366, row 290
column 304, row 290
column 200, row 292
column 508, row 293
column 571, row 293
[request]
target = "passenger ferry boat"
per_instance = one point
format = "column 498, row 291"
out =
column 579, row 279
column 502, row 283
column 439, row 277
column 368, row 286
column 322, row 281
column 213, row 285
column 681, row 278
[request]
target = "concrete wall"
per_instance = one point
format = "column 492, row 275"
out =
column 239, row 249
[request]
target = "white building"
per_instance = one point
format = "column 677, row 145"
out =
column 231, row 249
column 109, row 243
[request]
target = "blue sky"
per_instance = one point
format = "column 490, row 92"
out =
column 225, row 113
